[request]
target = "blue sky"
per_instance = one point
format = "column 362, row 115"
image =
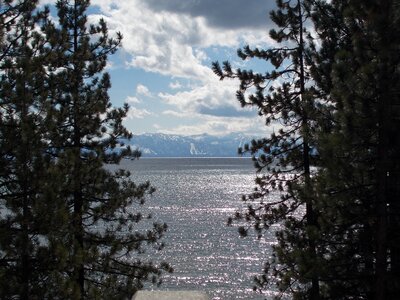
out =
column 163, row 69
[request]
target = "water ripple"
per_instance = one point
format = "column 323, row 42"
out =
column 195, row 198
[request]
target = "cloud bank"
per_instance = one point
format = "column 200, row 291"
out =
column 178, row 39
column 224, row 14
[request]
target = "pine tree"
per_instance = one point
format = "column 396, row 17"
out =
column 352, row 120
column 358, row 69
column 287, row 155
column 97, row 241
column 69, row 225
column 24, row 254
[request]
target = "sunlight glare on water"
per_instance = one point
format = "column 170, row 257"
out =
column 195, row 197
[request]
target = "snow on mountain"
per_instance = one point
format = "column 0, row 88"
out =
column 164, row 145
column 194, row 151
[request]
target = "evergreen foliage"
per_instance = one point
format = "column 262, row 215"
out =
column 359, row 152
column 24, row 217
column 346, row 246
column 69, row 225
column 287, row 100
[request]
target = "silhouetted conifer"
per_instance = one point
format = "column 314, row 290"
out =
column 69, row 225
column 360, row 73
column 98, row 241
column 286, row 98
column 24, row 215
column 346, row 247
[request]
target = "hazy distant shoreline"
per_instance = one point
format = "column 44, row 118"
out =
column 206, row 146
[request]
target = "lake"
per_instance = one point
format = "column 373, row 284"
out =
column 195, row 197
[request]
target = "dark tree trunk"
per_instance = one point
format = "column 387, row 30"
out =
column 310, row 214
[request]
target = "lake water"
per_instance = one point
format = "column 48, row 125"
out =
column 195, row 197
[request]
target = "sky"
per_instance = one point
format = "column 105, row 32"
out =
column 163, row 69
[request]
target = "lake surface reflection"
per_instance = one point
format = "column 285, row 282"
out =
column 195, row 197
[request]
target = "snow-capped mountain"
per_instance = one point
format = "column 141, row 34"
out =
column 165, row 145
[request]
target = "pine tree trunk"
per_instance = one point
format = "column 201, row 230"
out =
column 383, row 159
column 79, row 275
column 381, row 236
column 393, row 180
column 79, row 272
column 310, row 214
column 78, row 198
column 25, row 268
column 78, row 203
column 25, row 260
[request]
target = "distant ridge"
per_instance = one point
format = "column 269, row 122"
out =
column 166, row 145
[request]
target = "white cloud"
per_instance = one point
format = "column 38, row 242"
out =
column 216, row 126
column 46, row 2
column 211, row 97
column 174, row 113
column 174, row 38
column 175, row 85
column 201, row 55
column 171, row 42
column 132, row 100
column 136, row 113
column 143, row 90
column 174, row 43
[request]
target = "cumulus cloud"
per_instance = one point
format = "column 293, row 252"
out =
column 46, row 2
column 216, row 126
column 210, row 98
column 214, row 107
column 136, row 113
column 224, row 111
column 142, row 90
column 173, row 37
column 175, row 85
column 132, row 100
column 168, row 37
column 174, row 114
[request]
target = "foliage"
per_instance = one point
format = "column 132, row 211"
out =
column 344, row 243
column 24, row 256
column 70, row 225
column 286, row 99
column 358, row 151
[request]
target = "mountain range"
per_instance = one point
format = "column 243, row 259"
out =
column 166, row 145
